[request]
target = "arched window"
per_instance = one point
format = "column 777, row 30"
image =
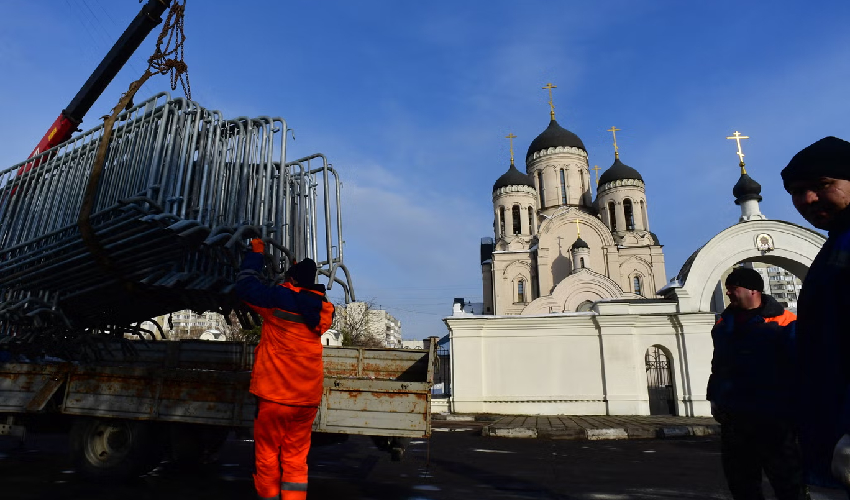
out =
column 520, row 290
column 585, row 306
column 581, row 262
column 612, row 218
column 636, row 285
column 563, row 188
column 629, row 213
column 540, row 189
column 643, row 215
column 530, row 220
column 501, row 221
column 515, row 220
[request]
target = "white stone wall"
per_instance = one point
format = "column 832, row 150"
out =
column 578, row 363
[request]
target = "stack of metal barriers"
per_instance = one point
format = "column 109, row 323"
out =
column 181, row 191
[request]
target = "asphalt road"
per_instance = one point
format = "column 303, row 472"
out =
column 455, row 464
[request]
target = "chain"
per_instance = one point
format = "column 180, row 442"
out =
column 169, row 60
column 163, row 61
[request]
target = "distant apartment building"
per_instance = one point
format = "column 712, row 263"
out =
column 187, row 324
column 784, row 286
column 377, row 323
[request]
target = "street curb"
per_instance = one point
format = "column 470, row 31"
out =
column 610, row 433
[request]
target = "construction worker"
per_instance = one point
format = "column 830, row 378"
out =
column 288, row 373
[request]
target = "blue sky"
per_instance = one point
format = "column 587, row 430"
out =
column 411, row 102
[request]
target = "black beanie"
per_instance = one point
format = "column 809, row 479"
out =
column 745, row 277
column 829, row 157
column 304, row 272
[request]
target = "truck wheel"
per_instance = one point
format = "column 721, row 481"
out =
column 114, row 449
column 397, row 447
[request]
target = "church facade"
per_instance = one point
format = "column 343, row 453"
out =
column 556, row 248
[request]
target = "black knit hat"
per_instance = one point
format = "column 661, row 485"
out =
column 304, row 272
column 829, row 157
column 745, row 277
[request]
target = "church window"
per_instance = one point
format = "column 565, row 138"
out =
column 612, row 219
column 515, row 220
column 530, row 220
column 501, row 221
column 629, row 213
column 520, row 290
column 585, row 306
column 540, row 189
column 636, row 284
column 643, row 215
column 563, row 188
column 581, row 262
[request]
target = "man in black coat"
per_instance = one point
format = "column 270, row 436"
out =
column 750, row 390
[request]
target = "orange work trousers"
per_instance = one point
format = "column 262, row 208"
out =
column 281, row 444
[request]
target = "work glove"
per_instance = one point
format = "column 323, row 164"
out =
column 841, row 460
column 257, row 245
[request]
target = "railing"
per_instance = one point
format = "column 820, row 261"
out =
column 181, row 191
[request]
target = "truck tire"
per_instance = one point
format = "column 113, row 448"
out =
column 115, row 449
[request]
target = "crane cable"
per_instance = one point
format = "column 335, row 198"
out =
column 165, row 60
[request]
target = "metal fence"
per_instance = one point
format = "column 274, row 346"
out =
column 181, row 191
column 443, row 373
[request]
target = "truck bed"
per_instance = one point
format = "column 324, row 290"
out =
column 381, row 392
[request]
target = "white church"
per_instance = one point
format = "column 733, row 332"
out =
column 557, row 249
column 578, row 318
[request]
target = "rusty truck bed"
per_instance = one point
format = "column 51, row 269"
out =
column 381, row 392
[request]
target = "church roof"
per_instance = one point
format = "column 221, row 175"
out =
column 554, row 136
column 580, row 243
column 618, row 171
column 513, row 177
column 746, row 189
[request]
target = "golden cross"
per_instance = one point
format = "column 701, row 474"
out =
column 511, row 136
column 614, row 131
column 578, row 229
column 596, row 170
column 737, row 137
column 551, row 104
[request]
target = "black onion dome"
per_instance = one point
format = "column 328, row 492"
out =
column 553, row 137
column 580, row 243
column 513, row 177
column 619, row 171
column 746, row 189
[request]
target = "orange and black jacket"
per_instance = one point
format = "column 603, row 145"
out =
column 752, row 371
column 288, row 365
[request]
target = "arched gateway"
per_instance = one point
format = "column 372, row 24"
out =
column 773, row 242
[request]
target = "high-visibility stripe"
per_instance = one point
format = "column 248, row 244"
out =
column 288, row 316
column 276, row 497
column 293, row 486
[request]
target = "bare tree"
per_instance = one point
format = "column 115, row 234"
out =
column 354, row 322
column 234, row 331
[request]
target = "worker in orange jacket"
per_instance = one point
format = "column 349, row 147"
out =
column 288, row 371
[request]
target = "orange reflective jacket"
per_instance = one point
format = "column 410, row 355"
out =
column 288, row 365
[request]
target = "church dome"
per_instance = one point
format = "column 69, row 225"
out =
column 746, row 189
column 619, row 171
column 580, row 243
column 513, row 177
column 554, row 136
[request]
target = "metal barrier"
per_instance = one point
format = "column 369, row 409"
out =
column 181, row 192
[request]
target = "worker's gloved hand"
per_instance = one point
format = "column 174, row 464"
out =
column 841, row 460
column 257, row 245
